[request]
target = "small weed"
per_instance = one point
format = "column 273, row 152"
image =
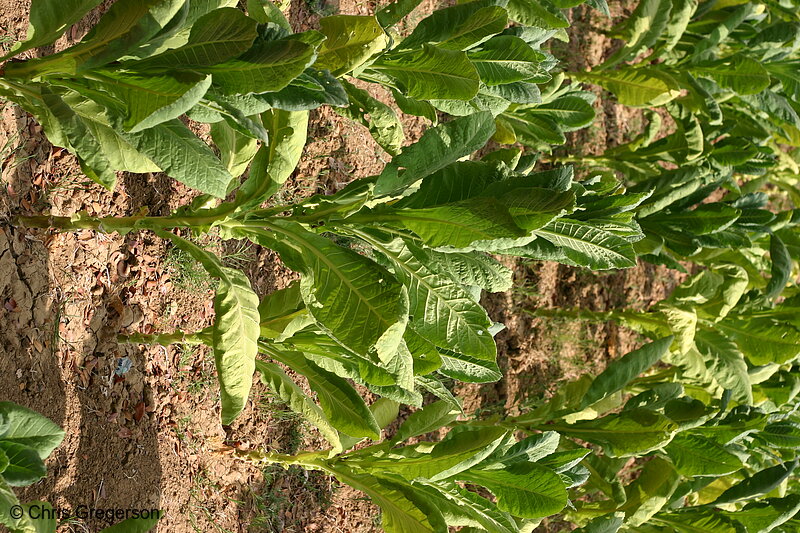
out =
column 271, row 503
column 187, row 274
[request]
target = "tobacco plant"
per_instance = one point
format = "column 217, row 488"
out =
column 26, row 440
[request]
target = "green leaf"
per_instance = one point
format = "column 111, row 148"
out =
column 235, row 149
column 781, row 267
column 705, row 47
column 738, row 73
column 430, row 73
column 632, row 432
column 697, row 521
column 25, row 467
column 430, row 418
column 442, row 311
column 310, row 90
column 472, row 268
column 179, row 153
column 153, row 99
column 356, row 301
column 622, row 371
column 288, row 391
column 541, row 14
column 570, row 112
column 275, row 161
column 351, row 40
column 49, row 19
column 641, row 29
column 761, row 482
column 457, row 452
column 394, row 12
column 437, row 148
column 235, row 331
column 134, row 525
column 28, row 428
column 761, row 340
column 609, row 523
column 784, row 434
column 767, row 515
column 589, row 246
column 379, row 118
column 458, row 27
column 650, row 492
column 706, row 218
column 463, row 507
column 469, row 369
column 527, row 489
column 216, row 37
column 268, row 66
column 506, row 59
column 399, row 513
column 340, row 402
column 531, row 129
column 265, row 11
column 726, row 363
column 87, row 149
column 637, row 87
column 694, row 455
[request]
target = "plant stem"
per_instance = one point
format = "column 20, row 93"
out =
column 111, row 224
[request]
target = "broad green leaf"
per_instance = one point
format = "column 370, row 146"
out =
column 705, row 47
column 539, row 14
column 506, row 59
column 126, row 24
column 628, row 433
column 781, row 267
column 531, row 449
column 430, row 73
column 767, row 515
column 458, row 27
column 3, row 461
column 640, row 30
column 437, row 148
column 356, row 301
column 153, row 99
column 275, row 161
column 457, row 452
column 399, row 513
column 87, row 149
column 784, row 434
column 216, row 37
column 624, row 370
column 265, row 11
column 587, row 245
column 531, row 128
column 697, row 521
column 761, row 340
column 351, row 40
column 49, row 19
column 25, row 467
column 569, row 112
column 235, row 149
column 8, row 500
column 694, row 455
column 179, row 153
column 310, row 90
column 28, row 428
column 288, row 391
column 235, row 331
column 469, row 369
column 283, row 313
column 633, row 87
column 340, row 402
column 268, row 66
column 738, row 73
column 430, row 418
column 761, row 482
column 706, row 218
column 134, row 525
column 417, row 108
column 462, row 507
column 47, row 522
column 726, row 363
column 394, row 12
column 650, row 492
column 379, row 118
column 609, row 523
column 527, row 489
column 442, row 311
column 454, row 225
column 472, row 268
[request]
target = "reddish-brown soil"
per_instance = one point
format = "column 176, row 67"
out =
column 148, row 439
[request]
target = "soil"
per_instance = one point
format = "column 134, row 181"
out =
column 147, row 437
